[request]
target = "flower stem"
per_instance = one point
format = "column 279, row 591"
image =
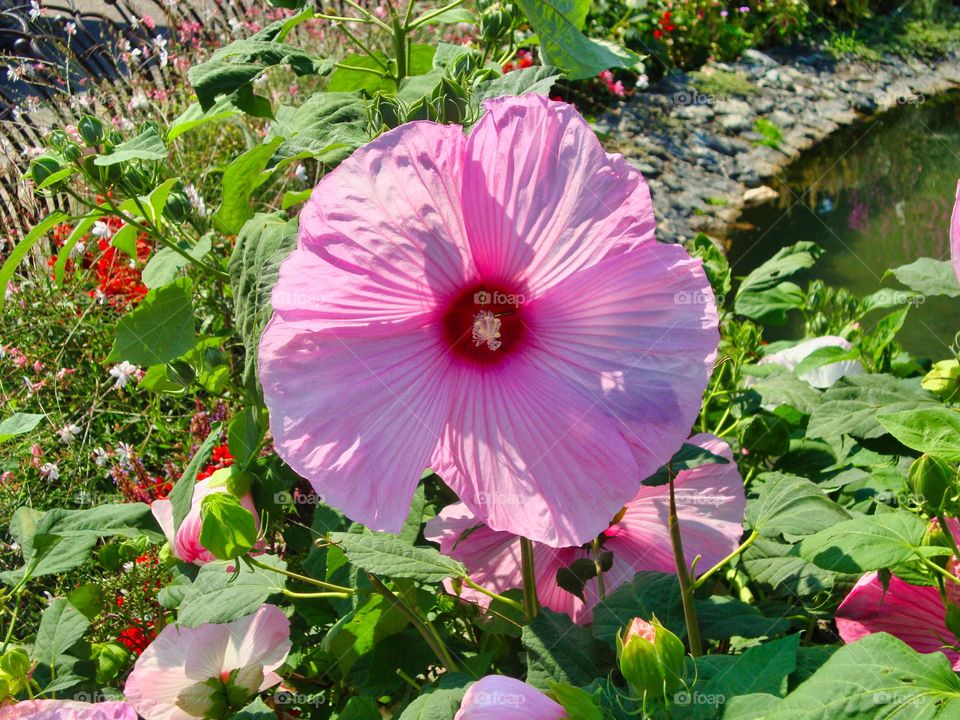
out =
column 490, row 594
column 601, row 582
column 531, row 604
column 709, row 573
column 427, row 17
column 426, row 630
column 683, row 575
column 303, row 578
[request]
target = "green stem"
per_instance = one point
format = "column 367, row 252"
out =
column 933, row 566
column 683, row 575
column 601, row 581
column 340, row 18
column 426, row 630
column 368, row 15
column 372, row 71
column 427, row 17
column 360, row 44
column 531, row 604
column 949, row 535
column 13, row 621
column 302, row 578
column 400, row 48
column 712, row 571
column 310, row 596
column 490, row 594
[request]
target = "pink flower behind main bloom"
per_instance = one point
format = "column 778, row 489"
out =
column 181, row 657
column 67, row 710
column 492, row 306
column 710, row 505
column 498, row 697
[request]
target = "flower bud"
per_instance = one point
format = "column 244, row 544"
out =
column 651, row 658
column 43, row 167
column 15, row 669
column 91, row 130
column 943, row 380
column 933, row 481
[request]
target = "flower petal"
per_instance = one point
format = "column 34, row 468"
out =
column 498, row 697
column 262, row 638
column 541, row 197
column 823, row 376
column 67, row 710
column 359, row 417
column 637, row 333
column 913, row 613
column 535, row 456
column 382, row 234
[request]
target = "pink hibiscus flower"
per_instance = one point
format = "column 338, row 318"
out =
column 498, row 697
column 913, row 613
column 185, row 542
column 492, row 306
column 67, row 710
column 955, row 235
column 710, row 505
column 181, row 658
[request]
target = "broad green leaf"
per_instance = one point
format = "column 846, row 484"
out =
column 56, row 177
column 166, row 263
column 226, row 590
column 763, row 295
column 61, row 625
column 761, row 669
column 23, row 247
column 778, row 566
column 328, row 126
column 563, row 45
column 361, row 708
column 877, row 677
column 559, row 651
column 244, row 434
column 852, row 405
column 181, row 497
column 195, row 116
column 537, row 79
column 257, row 710
column 241, row 177
column 125, row 240
column 688, row 457
column 782, row 387
column 934, row 430
column 578, row 703
column 825, row 356
column 929, row 276
column 146, row 146
column 160, row 329
column 359, row 631
column 435, row 704
column 18, row 424
column 389, row 556
column 791, row 505
column 261, row 246
column 227, row 528
column 770, row 306
column 346, row 79
column 870, row 542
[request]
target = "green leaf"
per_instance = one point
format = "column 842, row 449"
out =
column 244, row 434
column 763, row 295
column 359, row 631
column 80, row 229
column 876, row 677
column 58, row 176
column 328, row 126
column 195, row 116
column 386, row 555
column 23, row 247
column 577, row 703
column 435, row 704
column 160, row 329
column 564, row 46
column 537, row 79
column 761, row 669
column 935, row 430
column 227, row 528
column 825, row 356
column 18, row 424
column 777, row 566
column 220, row 595
column 791, row 505
column 125, row 240
column 254, row 267
column 61, row 625
column 145, row 146
column 559, row 651
column 688, row 457
column 870, row 542
column 851, row 406
column 782, row 387
column 929, row 276
column 240, row 178
column 181, row 497
column 166, row 263
column 257, row 710
column 346, row 79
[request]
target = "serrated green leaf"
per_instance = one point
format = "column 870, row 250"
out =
column 391, row 557
column 160, row 329
column 792, row 505
column 146, row 146
column 870, row 542
column 934, row 430
column 218, row 595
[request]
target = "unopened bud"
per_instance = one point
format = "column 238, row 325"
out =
column 651, row 658
column 933, row 481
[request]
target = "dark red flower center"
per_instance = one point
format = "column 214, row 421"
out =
column 485, row 323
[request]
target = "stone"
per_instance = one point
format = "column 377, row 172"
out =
column 736, row 123
column 755, row 57
column 759, row 196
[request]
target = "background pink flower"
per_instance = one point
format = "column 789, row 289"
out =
column 710, row 505
column 185, row 543
column 180, row 657
column 67, row 710
column 913, row 613
column 494, row 307
column 498, row 697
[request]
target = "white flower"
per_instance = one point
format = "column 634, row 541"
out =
column 34, row 9
column 50, row 471
column 14, row 72
column 68, row 433
column 71, row 28
column 127, row 566
column 160, row 45
column 823, row 376
column 235, row 25
column 100, row 456
column 196, row 200
column 123, row 372
column 301, row 173
column 139, row 100
column 124, row 452
column 78, row 248
column 101, row 230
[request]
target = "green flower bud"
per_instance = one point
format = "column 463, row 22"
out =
column 15, row 669
column 943, row 380
column 91, row 130
column 57, row 139
column 933, row 481
column 71, row 151
column 494, row 23
column 43, row 167
column 651, row 658
column 111, row 658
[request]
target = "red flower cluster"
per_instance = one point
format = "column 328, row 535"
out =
column 221, row 458
column 524, row 60
column 666, row 25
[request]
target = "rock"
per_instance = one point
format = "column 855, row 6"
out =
column 759, row 196
column 782, row 119
column 763, row 105
column 698, row 113
column 736, row 123
column 755, row 57
column 732, row 106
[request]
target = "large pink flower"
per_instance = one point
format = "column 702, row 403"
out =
column 67, row 710
column 185, row 542
column 955, row 234
column 913, row 613
column 710, row 505
column 181, row 657
column 494, row 306
column 498, row 697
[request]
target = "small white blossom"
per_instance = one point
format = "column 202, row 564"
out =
column 14, row 72
column 68, row 433
column 78, row 249
column 34, row 9
column 71, row 28
column 50, row 471
column 123, row 372
column 100, row 456
column 101, row 230
column 196, row 200
column 124, row 452
column 138, row 101
column 301, row 173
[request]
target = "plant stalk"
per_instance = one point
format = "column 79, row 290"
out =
column 683, row 575
column 531, row 604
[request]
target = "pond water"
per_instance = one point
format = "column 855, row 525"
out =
column 875, row 196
